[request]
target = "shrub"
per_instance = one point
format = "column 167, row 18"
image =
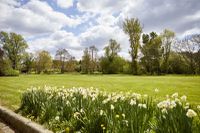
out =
column 91, row 110
column 11, row 72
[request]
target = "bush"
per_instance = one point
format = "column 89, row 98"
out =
column 6, row 69
column 91, row 110
column 11, row 72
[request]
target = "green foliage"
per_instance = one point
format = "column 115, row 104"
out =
column 86, row 62
column 11, row 72
column 112, row 63
column 27, row 62
column 63, row 56
column 133, row 28
column 112, row 50
column 14, row 47
column 116, row 66
column 94, row 58
column 90, row 110
column 177, row 64
column 43, row 62
column 167, row 40
column 152, row 53
column 6, row 69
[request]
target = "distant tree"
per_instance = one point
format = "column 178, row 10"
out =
column 1, row 54
column 93, row 51
column 152, row 53
column 189, row 49
column 196, row 39
column 27, row 62
column 56, row 65
column 14, row 47
column 86, row 61
column 43, row 61
column 133, row 28
column 177, row 64
column 111, row 51
column 167, row 40
column 71, row 65
column 111, row 62
column 63, row 55
column 2, row 63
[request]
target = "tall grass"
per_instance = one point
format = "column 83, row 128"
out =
column 89, row 110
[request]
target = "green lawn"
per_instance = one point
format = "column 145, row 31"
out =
column 12, row 87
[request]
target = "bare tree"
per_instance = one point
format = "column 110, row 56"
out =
column 63, row 55
column 93, row 51
column 188, row 48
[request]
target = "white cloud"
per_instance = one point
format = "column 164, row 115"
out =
column 98, row 35
column 35, row 17
column 65, row 3
column 101, row 6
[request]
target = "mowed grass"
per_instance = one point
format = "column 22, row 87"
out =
column 12, row 87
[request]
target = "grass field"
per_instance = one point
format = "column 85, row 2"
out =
column 12, row 87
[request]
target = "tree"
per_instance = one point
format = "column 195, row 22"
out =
column 63, row 55
column 167, row 40
column 86, row 61
column 93, row 51
column 196, row 39
column 2, row 63
column 112, row 49
column 133, row 28
column 152, row 53
column 14, row 47
column 1, row 54
column 71, row 65
column 43, row 61
column 27, row 62
column 177, row 64
column 111, row 62
column 189, row 49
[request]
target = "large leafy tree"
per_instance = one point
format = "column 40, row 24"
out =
column 133, row 28
column 14, row 47
column 167, row 40
column 152, row 52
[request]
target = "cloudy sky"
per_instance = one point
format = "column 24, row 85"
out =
column 76, row 24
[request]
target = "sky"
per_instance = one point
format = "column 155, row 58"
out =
column 77, row 24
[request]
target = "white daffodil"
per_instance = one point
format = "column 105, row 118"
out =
column 112, row 107
column 184, row 98
column 132, row 102
column 198, row 107
column 191, row 113
column 156, row 90
column 57, row 118
column 175, row 95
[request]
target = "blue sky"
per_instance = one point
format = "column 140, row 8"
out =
column 77, row 24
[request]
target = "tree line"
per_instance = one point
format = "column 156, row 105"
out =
column 151, row 54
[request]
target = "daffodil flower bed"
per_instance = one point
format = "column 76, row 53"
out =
column 89, row 110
